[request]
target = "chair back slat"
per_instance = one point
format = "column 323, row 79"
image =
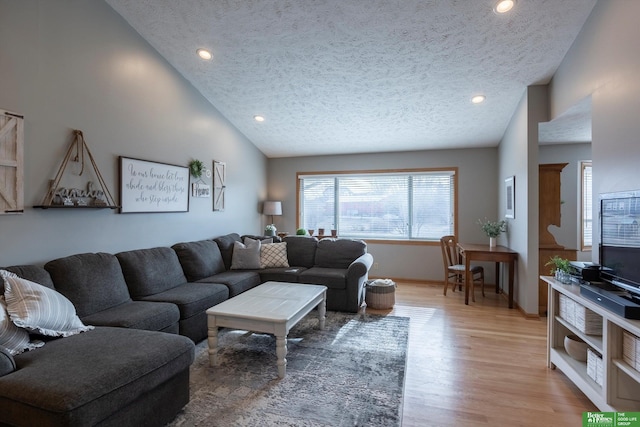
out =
column 450, row 255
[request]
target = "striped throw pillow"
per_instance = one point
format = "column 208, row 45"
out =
column 40, row 309
column 14, row 339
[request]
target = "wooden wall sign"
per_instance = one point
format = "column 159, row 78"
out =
column 11, row 163
column 219, row 185
column 147, row 186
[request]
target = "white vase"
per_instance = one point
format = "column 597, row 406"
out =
column 492, row 242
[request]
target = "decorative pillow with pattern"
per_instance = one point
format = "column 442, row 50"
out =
column 246, row 256
column 274, row 255
column 40, row 309
column 14, row 339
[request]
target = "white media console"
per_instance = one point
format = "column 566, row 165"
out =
column 611, row 383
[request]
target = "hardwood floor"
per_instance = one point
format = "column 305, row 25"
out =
column 479, row 365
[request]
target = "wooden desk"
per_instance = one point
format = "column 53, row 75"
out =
column 472, row 252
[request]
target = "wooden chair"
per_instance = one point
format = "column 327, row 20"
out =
column 454, row 268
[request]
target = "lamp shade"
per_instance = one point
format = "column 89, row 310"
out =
column 272, row 208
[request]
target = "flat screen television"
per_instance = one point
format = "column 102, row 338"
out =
column 619, row 251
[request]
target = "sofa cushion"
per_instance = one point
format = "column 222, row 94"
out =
column 150, row 316
column 332, row 278
column 199, row 259
column 40, row 309
column 273, row 255
column 151, row 271
column 225, row 244
column 81, row 381
column 246, row 256
column 237, row 281
column 301, row 250
column 338, row 253
column 93, row 282
column 13, row 339
column 30, row 272
column 192, row 298
column 281, row 274
column 7, row 362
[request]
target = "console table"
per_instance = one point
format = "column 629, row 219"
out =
column 473, row 252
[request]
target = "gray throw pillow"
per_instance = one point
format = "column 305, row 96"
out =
column 246, row 257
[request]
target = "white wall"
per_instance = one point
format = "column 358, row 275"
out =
column 477, row 198
column 76, row 64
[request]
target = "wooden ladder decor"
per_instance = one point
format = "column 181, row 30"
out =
column 99, row 198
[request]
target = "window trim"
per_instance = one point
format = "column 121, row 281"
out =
column 453, row 170
column 584, row 164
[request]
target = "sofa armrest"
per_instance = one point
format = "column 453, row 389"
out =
column 7, row 363
column 357, row 275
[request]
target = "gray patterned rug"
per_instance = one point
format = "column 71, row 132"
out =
column 349, row 374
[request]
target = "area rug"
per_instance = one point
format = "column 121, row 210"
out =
column 349, row 374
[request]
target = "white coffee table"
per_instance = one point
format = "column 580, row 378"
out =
column 272, row 308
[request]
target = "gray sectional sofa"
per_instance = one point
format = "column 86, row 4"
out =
column 148, row 307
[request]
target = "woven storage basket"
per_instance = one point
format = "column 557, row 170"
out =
column 380, row 293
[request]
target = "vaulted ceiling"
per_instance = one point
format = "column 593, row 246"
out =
column 359, row 76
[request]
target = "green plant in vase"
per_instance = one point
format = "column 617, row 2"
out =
column 492, row 229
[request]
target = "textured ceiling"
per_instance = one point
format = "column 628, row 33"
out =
column 356, row 76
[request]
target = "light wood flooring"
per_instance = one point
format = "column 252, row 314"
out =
column 479, row 365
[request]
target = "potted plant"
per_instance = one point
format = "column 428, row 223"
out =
column 270, row 230
column 561, row 268
column 493, row 229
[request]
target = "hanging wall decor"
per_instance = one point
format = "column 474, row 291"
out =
column 147, row 186
column 11, row 163
column 219, row 185
column 90, row 197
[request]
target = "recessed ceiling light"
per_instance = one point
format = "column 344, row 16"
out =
column 504, row 6
column 258, row 118
column 204, row 54
column 478, row 99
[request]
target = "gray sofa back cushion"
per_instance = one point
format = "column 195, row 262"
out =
column 339, row 253
column 93, row 282
column 199, row 259
column 151, row 271
column 225, row 243
column 301, row 250
column 32, row 273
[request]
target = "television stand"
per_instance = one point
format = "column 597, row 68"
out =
column 618, row 388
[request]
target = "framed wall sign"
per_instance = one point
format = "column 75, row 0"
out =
column 147, row 186
column 510, row 197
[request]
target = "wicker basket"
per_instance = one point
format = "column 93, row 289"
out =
column 380, row 294
column 579, row 316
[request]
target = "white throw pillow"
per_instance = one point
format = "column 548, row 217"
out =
column 14, row 339
column 246, row 257
column 274, row 255
column 40, row 309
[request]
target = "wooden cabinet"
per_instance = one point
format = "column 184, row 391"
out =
column 550, row 203
column 617, row 384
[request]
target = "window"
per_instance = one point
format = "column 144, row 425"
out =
column 586, row 207
column 400, row 205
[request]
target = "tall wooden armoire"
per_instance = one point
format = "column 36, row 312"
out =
column 549, row 214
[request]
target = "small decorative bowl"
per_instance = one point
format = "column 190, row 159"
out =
column 575, row 347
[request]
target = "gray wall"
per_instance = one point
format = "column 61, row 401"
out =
column 605, row 61
column 477, row 198
column 76, row 64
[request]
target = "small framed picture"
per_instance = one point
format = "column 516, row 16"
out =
column 510, row 197
column 200, row 190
